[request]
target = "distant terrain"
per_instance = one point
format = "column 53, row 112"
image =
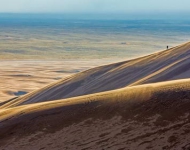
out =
column 38, row 37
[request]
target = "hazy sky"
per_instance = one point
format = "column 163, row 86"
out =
column 94, row 6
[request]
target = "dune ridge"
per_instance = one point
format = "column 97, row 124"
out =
column 146, row 104
column 137, row 104
column 133, row 94
column 161, row 66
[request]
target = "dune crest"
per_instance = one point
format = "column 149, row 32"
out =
column 161, row 66
column 137, row 104
column 137, row 113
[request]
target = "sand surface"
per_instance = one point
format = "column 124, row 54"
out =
column 162, row 66
column 152, row 116
column 20, row 77
column 137, row 104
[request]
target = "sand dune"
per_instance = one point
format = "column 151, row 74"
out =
column 20, row 77
column 140, row 117
column 137, row 104
column 161, row 66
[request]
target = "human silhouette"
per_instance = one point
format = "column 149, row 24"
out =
column 167, row 47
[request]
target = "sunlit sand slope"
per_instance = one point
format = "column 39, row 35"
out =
column 161, row 66
column 150, row 116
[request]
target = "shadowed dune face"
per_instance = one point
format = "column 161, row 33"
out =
column 140, row 117
column 162, row 66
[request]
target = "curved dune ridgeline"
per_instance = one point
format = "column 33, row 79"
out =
column 161, row 66
column 138, row 104
column 124, row 117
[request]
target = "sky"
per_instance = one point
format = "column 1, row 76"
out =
column 93, row 6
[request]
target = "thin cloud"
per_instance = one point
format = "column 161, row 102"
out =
column 94, row 6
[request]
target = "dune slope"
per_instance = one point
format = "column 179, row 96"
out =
column 150, row 116
column 161, row 66
column 126, row 105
